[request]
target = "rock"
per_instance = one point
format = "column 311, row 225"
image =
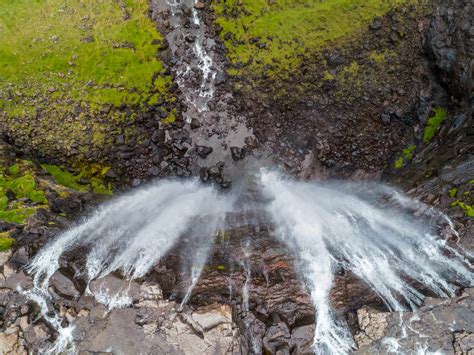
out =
column 63, row 286
column 153, row 171
column 211, row 316
column 335, row 59
column 302, row 339
column 199, row 5
column 376, row 25
column 9, row 341
column 150, row 295
column 433, row 326
column 4, row 257
column 464, row 343
column 451, row 46
column 385, row 118
column 203, row 151
column 237, row 153
column 277, row 337
column 220, row 78
column 136, row 182
column 195, row 124
column 372, row 324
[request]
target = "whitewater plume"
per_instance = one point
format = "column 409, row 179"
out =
column 133, row 232
column 369, row 229
column 389, row 241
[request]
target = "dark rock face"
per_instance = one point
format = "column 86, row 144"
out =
column 451, row 44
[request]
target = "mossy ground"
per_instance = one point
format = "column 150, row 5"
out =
column 6, row 242
column 278, row 35
column 20, row 193
column 407, row 155
column 463, row 197
column 433, row 123
column 24, row 186
column 69, row 68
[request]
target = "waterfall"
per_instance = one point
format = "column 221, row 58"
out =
column 131, row 234
column 374, row 231
column 369, row 229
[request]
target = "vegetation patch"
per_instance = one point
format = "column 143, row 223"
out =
column 23, row 186
column 462, row 197
column 20, row 195
column 407, row 155
column 89, row 179
column 468, row 209
column 433, row 123
column 6, row 242
column 72, row 72
column 274, row 35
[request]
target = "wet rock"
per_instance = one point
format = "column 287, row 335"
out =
column 276, row 337
column 195, row 124
column 114, row 289
column 237, row 153
column 63, row 286
column 203, row 151
column 432, row 327
column 302, row 339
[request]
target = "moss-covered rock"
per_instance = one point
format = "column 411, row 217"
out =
column 276, row 36
column 6, row 242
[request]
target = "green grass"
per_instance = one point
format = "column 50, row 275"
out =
column 68, row 66
column 433, row 123
column 94, row 174
column 86, row 46
column 297, row 27
column 6, row 242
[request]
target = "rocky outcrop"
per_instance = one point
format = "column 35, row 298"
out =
column 451, row 45
column 444, row 326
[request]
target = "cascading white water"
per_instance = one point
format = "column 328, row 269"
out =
column 367, row 229
column 133, row 232
column 376, row 232
column 204, row 63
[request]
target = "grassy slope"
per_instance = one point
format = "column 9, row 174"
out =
column 65, row 65
column 289, row 29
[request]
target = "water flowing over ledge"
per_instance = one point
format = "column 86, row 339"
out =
column 386, row 239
